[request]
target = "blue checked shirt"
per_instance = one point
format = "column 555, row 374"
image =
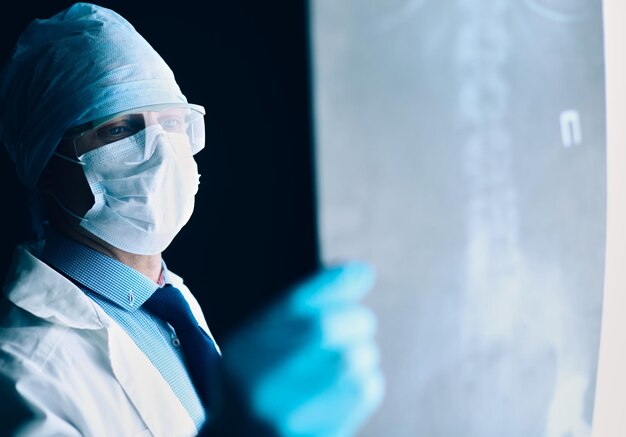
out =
column 120, row 291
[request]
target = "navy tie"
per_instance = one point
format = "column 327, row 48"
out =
column 199, row 350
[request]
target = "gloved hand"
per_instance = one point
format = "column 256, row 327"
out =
column 309, row 365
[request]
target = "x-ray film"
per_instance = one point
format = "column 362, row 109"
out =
column 461, row 151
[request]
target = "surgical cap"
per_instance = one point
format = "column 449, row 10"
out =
column 84, row 63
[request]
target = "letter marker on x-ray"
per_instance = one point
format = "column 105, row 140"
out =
column 571, row 132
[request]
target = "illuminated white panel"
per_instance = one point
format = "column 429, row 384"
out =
column 461, row 151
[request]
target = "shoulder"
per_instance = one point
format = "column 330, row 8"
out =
column 51, row 372
column 36, row 357
column 26, row 338
column 29, row 343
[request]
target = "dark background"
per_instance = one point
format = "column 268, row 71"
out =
column 253, row 232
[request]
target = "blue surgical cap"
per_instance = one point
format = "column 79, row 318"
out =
column 84, row 63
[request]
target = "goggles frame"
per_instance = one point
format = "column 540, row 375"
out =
column 78, row 131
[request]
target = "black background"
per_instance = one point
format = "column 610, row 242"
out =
column 254, row 228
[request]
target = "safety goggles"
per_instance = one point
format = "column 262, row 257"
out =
column 177, row 119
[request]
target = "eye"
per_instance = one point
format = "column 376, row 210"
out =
column 119, row 129
column 172, row 123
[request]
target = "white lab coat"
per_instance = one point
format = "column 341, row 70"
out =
column 74, row 366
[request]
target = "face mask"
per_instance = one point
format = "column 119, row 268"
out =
column 144, row 188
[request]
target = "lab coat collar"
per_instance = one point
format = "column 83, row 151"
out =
column 37, row 288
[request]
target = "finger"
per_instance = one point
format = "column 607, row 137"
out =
column 346, row 325
column 372, row 393
column 329, row 327
column 257, row 351
column 308, row 375
column 342, row 409
column 276, row 394
column 333, row 285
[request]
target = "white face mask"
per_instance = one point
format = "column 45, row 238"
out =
column 143, row 195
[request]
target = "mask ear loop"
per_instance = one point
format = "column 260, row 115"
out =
column 75, row 161
column 66, row 209
column 67, row 158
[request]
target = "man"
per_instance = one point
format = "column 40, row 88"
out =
column 97, row 335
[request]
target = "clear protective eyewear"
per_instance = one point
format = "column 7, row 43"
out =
column 176, row 119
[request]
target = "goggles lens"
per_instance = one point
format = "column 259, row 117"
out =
column 176, row 120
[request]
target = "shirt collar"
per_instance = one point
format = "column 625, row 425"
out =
column 117, row 282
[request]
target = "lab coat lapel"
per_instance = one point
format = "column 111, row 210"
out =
column 149, row 392
column 42, row 291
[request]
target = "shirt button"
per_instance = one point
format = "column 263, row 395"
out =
column 176, row 342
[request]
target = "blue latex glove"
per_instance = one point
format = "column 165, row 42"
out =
column 310, row 365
